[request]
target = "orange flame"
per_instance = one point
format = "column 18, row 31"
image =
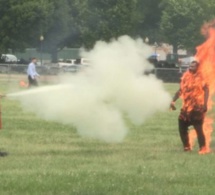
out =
column 23, row 84
column 206, row 57
column 197, row 91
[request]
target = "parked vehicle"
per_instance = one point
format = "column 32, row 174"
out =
column 71, row 68
column 185, row 62
column 8, row 58
column 73, row 62
column 64, row 63
column 172, row 61
column 74, row 68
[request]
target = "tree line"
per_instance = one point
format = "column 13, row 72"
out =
column 77, row 23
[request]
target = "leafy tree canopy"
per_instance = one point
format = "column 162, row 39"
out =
column 181, row 21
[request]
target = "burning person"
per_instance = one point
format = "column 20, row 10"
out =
column 194, row 93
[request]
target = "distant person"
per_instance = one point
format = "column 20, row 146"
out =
column 32, row 73
column 194, row 92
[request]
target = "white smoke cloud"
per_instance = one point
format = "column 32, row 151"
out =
column 96, row 99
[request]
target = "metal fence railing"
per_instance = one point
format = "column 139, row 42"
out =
column 18, row 73
column 22, row 68
column 169, row 75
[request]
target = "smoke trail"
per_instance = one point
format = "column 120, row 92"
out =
column 96, row 99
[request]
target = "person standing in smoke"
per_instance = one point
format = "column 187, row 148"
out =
column 194, row 93
column 32, row 73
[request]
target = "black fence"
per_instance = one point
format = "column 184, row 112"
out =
column 22, row 69
column 168, row 75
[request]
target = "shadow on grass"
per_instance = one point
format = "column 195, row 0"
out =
column 3, row 154
column 77, row 152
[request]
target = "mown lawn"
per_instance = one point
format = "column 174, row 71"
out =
column 46, row 158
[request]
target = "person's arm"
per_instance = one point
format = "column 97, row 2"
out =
column 174, row 99
column 34, row 71
column 176, row 96
column 206, row 95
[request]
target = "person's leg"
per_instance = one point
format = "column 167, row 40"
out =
column 197, row 120
column 32, row 82
column 29, row 81
column 198, row 125
column 183, row 131
column 35, row 82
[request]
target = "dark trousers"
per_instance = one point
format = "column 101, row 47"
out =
column 32, row 82
column 183, row 130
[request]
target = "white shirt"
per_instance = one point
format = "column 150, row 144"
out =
column 31, row 71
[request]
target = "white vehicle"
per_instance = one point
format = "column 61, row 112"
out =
column 73, row 62
column 85, row 61
column 68, row 62
column 185, row 62
column 8, row 58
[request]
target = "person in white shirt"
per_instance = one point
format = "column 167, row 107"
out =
column 32, row 73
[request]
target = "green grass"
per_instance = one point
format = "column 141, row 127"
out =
column 46, row 158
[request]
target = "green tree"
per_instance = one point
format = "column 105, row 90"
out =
column 20, row 23
column 181, row 22
column 149, row 24
column 104, row 19
column 23, row 22
column 59, row 28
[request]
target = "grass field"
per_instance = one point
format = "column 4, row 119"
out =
column 46, row 158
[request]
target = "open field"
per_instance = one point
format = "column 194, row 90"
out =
column 46, row 158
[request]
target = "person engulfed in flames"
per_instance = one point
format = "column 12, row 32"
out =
column 194, row 93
